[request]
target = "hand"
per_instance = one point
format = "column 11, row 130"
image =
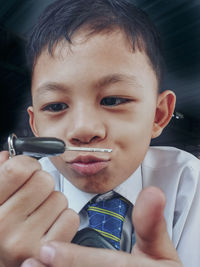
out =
column 31, row 212
column 153, row 247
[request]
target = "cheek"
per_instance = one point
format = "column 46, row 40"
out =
column 135, row 129
column 46, row 127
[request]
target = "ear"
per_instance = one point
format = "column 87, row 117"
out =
column 164, row 111
column 32, row 120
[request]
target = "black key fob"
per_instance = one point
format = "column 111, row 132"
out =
column 90, row 238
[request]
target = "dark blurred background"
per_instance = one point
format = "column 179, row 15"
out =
column 179, row 24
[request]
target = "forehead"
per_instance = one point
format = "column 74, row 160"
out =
column 84, row 44
column 88, row 58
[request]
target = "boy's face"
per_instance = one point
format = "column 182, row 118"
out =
column 97, row 93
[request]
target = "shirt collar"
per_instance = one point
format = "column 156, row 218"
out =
column 129, row 189
column 77, row 199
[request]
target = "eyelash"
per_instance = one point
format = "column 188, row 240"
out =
column 55, row 107
column 111, row 101
column 117, row 101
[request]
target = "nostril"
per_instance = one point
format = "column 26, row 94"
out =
column 85, row 141
column 95, row 138
column 75, row 141
column 84, row 133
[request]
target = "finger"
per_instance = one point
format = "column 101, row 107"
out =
column 14, row 173
column 64, row 228
column 31, row 195
column 32, row 263
column 152, row 238
column 67, row 255
column 4, row 155
column 58, row 254
column 46, row 215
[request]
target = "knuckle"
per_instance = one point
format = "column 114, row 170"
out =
column 20, row 166
column 44, row 180
column 9, row 169
column 60, row 199
column 74, row 217
column 3, row 156
column 15, row 249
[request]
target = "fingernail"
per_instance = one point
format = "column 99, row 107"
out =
column 30, row 263
column 47, row 254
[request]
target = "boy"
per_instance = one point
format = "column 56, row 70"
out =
column 96, row 78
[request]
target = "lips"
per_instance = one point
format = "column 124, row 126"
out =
column 88, row 165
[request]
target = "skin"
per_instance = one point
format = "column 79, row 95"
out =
column 27, row 219
column 80, row 80
column 138, row 114
column 153, row 247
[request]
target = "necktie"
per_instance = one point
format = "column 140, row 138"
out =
column 107, row 218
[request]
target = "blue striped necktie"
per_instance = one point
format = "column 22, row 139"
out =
column 107, row 218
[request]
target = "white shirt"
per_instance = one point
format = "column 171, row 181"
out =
column 177, row 174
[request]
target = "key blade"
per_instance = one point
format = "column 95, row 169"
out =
column 89, row 149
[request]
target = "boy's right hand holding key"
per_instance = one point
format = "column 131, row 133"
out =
column 31, row 212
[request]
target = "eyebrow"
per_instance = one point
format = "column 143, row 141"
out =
column 51, row 87
column 101, row 83
column 116, row 78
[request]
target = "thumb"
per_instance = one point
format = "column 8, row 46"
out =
column 152, row 238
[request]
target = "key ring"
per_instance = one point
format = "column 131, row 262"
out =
column 11, row 148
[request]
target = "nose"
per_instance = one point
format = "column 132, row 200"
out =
column 86, row 127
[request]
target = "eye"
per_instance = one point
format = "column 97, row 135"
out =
column 114, row 101
column 55, row 107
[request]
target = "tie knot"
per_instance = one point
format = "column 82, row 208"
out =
column 107, row 217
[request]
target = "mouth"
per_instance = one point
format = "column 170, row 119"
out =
column 88, row 165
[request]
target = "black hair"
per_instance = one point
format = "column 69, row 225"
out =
column 61, row 19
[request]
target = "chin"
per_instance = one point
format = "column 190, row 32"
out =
column 96, row 186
